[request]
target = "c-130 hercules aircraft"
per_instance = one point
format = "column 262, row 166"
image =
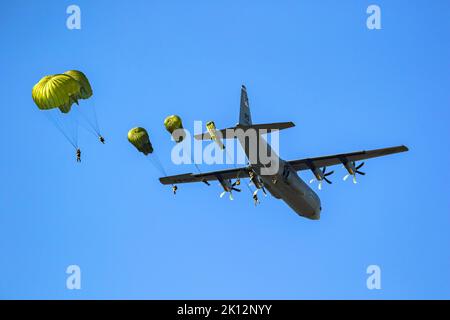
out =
column 285, row 183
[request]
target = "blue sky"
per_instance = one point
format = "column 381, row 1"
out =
column 315, row 63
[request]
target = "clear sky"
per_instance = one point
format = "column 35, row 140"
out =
column 315, row 63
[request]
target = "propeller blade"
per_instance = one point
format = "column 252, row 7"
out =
column 328, row 181
column 312, row 180
column 236, row 189
column 354, row 179
column 329, row 173
column 320, row 185
column 222, row 194
column 324, row 169
column 361, row 173
column 360, row 166
column 264, row 191
column 206, row 182
column 231, row 196
column 346, row 177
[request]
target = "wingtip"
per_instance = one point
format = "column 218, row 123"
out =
column 161, row 180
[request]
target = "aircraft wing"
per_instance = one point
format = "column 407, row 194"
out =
column 205, row 177
column 326, row 161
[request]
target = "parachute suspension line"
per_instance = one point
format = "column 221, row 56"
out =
column 73, row 123
column 88, row 128
column 94, row 110
column 59, row 127
column 158, row 163
column 92, row 125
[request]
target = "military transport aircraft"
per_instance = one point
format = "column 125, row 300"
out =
column 285, row 183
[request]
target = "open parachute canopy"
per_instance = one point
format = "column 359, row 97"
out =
column 138, row 137
column 85, row 86
column 61, row 90
column 56, row 91
column 174, row 125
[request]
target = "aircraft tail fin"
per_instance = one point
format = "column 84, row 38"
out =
column 245, row 117
column 245, row 123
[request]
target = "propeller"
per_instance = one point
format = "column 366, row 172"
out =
column 321, row 177
column 355, row 171
column 230, row 190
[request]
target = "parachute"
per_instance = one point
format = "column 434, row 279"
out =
column 56, row 91
column 61, row 91
column 138, row 137
column 85, row 91
column 174, row 125
column 211, row 127
column 89, row 115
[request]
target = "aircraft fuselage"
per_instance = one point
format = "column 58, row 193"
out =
column 285, row 184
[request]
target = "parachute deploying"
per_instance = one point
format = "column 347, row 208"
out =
column 174, row 125
column 211, row 127
column 138, row 137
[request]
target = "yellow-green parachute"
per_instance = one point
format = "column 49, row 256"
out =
column 211, row 127
column 174, row 125
column 85, row 86
column 56, row 91
column 139, row 138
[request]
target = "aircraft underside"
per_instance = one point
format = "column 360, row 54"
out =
column 290, row 188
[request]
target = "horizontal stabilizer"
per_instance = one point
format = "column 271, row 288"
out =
column 229, row 133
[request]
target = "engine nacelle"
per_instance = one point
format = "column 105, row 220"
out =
column 350, row 167
column 225, row 183
column 317, row 173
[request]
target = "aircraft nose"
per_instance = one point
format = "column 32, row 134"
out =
column 316, row 215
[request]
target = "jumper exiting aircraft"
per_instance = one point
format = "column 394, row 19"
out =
column 284, row 183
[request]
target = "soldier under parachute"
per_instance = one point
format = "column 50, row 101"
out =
column 61, row 91
column 139, row 138
column 78, row 155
